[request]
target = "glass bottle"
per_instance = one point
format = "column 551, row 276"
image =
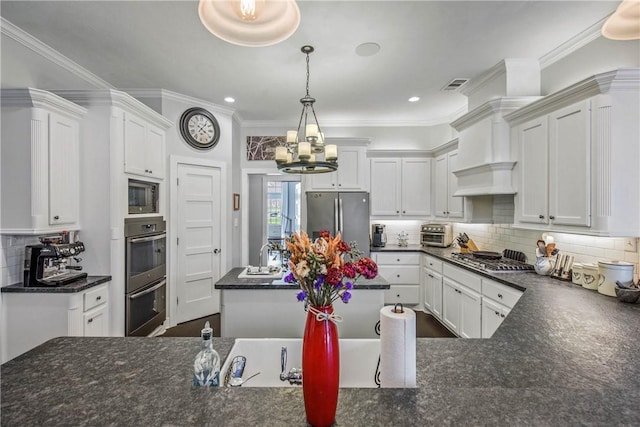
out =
column 206, row 368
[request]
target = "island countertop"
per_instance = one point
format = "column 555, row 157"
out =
column 231, row 281
column 564, row 356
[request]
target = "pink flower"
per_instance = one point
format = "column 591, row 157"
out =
column 349, row 270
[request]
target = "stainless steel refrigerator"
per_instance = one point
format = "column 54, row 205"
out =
column 344, row 212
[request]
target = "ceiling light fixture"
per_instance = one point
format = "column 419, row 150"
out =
column 624, row 24
column 299, row 154
column 229, row 99
column 414, row 99
column 252, row 23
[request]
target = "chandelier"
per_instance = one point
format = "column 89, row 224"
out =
column 305, row 151
column 252, row 23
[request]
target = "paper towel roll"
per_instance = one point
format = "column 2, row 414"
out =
column 397, row 348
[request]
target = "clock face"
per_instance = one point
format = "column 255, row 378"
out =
column 199, row 128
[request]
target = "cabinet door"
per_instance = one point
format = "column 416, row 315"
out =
column 532, row 195
column 351, row 174
column 428, row 289
column 385, row 186
column 323, row 181
column 441, row 187
column 455, row 205
column 492, row 317
column 154, row 155
column 64, row 170
column 433, row 293
column 416, row 187
column 470, row 313
column 569, row 165
column 135, row 134
column 96, row 322
column 450, row 305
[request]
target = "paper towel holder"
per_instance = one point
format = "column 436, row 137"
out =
column 395, row 308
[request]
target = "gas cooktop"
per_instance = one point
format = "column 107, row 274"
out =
column 507, row 262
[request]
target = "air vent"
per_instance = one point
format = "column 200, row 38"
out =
column 455, row 84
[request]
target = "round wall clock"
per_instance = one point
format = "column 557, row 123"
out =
column 199, row 128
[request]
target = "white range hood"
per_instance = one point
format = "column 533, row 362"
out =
column 484, row 149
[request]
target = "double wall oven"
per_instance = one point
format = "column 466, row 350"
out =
column 146, row 270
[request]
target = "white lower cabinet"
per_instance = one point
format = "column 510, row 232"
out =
column 462, row 302
column 402, row 271
column 432, row 285
column 30, row 319
column 497, row 302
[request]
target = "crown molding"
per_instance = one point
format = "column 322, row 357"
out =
column 434, row 152
column 573, row 44
column 488, row 109
column 621, row 79
column 115, row 98
column 27, row 40
column 38, row 98
column 175, row 96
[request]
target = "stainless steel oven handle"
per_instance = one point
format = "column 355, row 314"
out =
column 147, row 291
column 148, row 239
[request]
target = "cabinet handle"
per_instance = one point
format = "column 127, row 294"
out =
column 150, row 171
column 56, row 217
column 90, row 320
column 541, row 216
column 431, row 275
column 217, row 251
column 98, row 298
column 500, row 296
column 397, row 211
column 551, row 217
column 398, row 259
column 339, row 185
column 398, row 295
column 501, row 315
column 497, row 314
column 398, row 276
column 146, row 170
column 404, row 211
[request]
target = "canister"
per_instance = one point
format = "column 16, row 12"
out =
column 590, row 276
column 576, row 273
column 612, row 271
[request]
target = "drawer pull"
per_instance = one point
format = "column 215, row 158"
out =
column 398, row 295
column 398, row 275
column 90, row 320
column 99, row 297
column 501, row 315
column 497, row 314
column 500, row 296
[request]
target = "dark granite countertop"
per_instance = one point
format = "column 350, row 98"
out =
column 564, row 356
column 77, row 286
column 230, row 281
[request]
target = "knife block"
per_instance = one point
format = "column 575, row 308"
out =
column 471, row 247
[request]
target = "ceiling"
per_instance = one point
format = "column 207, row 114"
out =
column 424, row 45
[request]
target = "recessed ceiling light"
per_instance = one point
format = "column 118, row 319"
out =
column 414, row 99
column 368, row 49
column 229, row 99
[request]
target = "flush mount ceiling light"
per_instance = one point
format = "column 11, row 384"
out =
column 624, row 24
column 299, row 154
column 252, row 23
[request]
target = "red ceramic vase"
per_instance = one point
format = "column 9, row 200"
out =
column 320, row 369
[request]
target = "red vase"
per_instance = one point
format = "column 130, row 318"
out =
column 320, row 368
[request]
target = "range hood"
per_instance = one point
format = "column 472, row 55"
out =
column 485, row 162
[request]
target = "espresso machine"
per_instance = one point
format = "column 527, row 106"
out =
column 378, row 236
column 46, row 264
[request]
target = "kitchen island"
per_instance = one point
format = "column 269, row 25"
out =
column 564, row 356
column 258, row 307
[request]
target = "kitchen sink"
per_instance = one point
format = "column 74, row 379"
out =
column 260, row 272
column 358, row 361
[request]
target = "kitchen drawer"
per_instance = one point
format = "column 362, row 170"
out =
column 394, row 258
column 400, row 274
column 95, row 297
column 406, row 294
column 500, row 293
column 433, row 264
column 96, row 322
column 468, row 279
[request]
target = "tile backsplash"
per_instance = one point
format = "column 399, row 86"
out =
column 497, row 237
column 12, row 257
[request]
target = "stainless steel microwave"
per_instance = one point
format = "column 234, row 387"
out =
column 143, row 197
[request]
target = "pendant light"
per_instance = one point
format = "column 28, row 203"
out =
column 252, row 23
column 624, row 23
column 305, row 151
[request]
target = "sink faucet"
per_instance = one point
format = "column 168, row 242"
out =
column 260, row 259
column 294, row 376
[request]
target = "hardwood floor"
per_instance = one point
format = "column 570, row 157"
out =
column 426, row 327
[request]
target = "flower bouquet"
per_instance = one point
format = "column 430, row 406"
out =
column 327, row 268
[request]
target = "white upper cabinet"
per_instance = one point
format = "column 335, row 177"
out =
column 401, row 187
column 144, row 147
column 555, row 169
column 445, row 185
column 578, row 157
column 40, row 162
column 351, row 174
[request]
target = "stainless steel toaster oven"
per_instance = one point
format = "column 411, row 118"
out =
column 439, row 235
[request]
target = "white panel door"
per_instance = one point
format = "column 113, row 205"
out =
column 451, row 305
column 135, row 134
column 63, row 170
column 199, row 230
column 470, row 314
column 416, row 187
column 455, row 205
column 532, row 198
column 569, row 165
column 385, row 187
column 441, row 187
